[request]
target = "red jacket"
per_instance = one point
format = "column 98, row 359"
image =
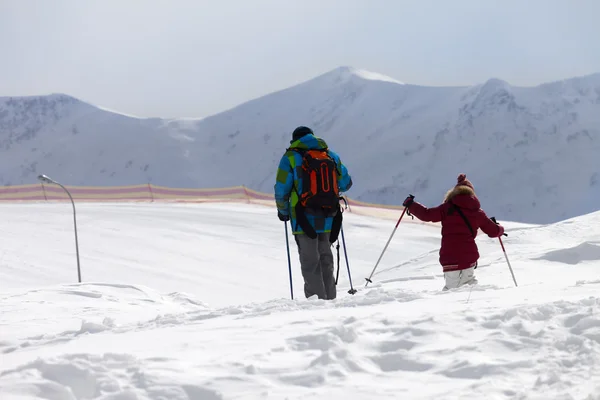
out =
column 459, row 250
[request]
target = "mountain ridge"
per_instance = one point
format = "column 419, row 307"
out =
column 395, row 138
column 336, row 72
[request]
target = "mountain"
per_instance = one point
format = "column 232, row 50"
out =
column 532, row 153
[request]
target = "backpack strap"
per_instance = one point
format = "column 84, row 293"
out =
column 326, row 149
column 455, row 207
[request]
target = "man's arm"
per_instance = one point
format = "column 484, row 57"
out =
column 345, row 180
column 283, row 185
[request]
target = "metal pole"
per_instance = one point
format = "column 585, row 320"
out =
column 352, row 290
column 504, row 251
column 386, row 246
column 44, row 178
column 287, row 244
column 44, row 190
column 508, row 262
column 151, row 194
column 75, row 226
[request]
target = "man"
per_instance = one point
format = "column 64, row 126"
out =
column 309, row 180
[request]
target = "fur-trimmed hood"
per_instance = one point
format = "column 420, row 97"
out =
column 463, row 197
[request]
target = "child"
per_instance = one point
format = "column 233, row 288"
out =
column 461, row 216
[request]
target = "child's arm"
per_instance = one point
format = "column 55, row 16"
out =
column 488, row 226
column 425, row 214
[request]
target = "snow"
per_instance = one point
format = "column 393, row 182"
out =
column 582, row 252
column 191, row 301
column 116, row 112
column 349, row 72
column 532, row 153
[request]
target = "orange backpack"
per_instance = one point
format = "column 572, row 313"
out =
column 320, row 192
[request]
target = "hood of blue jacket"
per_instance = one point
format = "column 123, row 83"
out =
column 308, row 142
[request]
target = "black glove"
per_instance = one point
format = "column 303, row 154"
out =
column 408, row 201
column 282, row 217
column 496, row 222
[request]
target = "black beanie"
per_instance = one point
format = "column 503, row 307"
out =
column 301, row 131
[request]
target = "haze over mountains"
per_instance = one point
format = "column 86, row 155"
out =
column 533, row 154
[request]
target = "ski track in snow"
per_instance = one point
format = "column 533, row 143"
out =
column 401, row 337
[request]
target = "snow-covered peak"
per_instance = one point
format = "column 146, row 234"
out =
column 346, row 73
column 24, row 116
column 494, row 85
column 52, row 101
column 489, row 97
column 371, row 76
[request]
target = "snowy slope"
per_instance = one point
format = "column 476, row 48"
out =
column 184, row 302
column 83, row 144
column 532, row 153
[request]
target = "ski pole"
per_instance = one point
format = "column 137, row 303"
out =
column 386, row 245
column 352, row 290
column 504, row 251
column 287, row 244
column 508, row 262
column 337, row 274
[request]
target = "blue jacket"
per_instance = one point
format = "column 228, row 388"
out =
column 287, row 179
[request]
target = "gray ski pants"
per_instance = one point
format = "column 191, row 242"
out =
column 316, row 260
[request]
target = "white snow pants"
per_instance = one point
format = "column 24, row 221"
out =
column 455, row 279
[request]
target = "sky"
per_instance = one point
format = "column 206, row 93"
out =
column 195, row 58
